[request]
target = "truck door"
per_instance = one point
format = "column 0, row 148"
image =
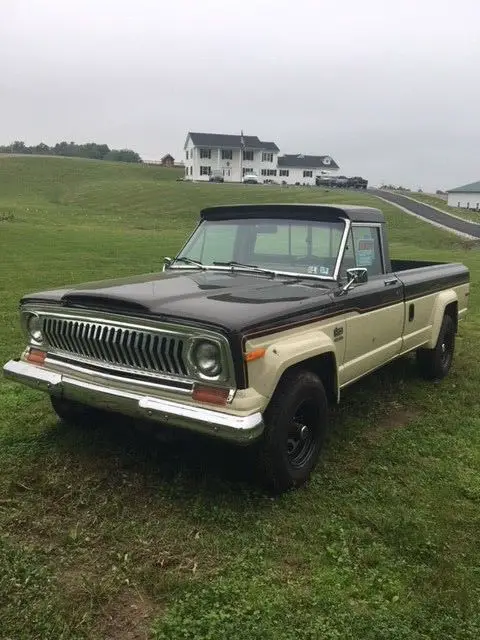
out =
column 374, row 311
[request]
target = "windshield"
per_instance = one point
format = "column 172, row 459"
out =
column 288, row 245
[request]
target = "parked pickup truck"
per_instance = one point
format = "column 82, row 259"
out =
column 263, row 318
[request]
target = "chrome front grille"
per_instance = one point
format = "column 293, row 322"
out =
column 138, row 348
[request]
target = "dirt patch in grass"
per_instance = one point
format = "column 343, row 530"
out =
column 397, row 418
column 126, row 617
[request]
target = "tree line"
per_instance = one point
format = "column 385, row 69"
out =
column 90, row 150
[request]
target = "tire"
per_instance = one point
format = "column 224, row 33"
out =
column 295, row 428
column 434, row 364
column 75, row 413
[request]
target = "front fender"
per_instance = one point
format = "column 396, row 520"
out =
column 443, row 299
column 265, row 373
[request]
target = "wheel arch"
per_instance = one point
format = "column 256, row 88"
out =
column 445, row 304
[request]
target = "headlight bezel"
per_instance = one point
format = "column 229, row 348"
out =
column 220, row 374
column 35, row 335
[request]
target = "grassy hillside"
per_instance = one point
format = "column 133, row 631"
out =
column 110, row 534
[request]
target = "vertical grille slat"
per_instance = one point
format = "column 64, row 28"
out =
column 166, row 347
column 121, row 346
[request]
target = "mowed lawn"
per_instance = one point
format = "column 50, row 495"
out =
column 109, row 533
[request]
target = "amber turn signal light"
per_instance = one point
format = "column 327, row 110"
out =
column 35, row 356
column 212, row 395
column 254, row 355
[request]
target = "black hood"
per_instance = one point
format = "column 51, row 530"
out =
column 233, row 301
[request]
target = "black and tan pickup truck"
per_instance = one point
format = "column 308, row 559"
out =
column 264, row 317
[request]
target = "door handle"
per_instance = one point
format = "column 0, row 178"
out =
column 390, row 281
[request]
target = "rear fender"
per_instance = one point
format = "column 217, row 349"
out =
column 443, row 299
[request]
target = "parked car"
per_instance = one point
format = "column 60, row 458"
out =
column 251, row 178
column 243, row 336
column 357, row 183
column 216, row 176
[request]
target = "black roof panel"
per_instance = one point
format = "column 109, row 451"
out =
column 302, row 211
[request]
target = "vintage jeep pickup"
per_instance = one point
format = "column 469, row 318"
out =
column 263, row 318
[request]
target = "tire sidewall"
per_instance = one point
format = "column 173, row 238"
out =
column 289, row 396
column 447, row 330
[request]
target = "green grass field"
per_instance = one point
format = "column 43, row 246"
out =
column 467, row 214
column 109, row 533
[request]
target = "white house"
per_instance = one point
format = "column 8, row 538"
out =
column 466, row 197
column 233, row 156
column 304, row 169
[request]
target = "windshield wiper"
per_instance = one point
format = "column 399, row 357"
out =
column 191, row 261
column 250, row 267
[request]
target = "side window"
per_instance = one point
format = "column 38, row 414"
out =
column 348, row 261
column 367, row 248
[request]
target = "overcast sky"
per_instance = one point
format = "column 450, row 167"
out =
column 389, row 88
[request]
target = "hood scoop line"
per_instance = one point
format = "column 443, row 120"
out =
column 102, row 303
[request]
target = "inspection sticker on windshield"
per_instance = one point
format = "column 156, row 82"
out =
column 365, row 253
column 314, row 269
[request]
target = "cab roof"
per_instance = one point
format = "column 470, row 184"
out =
column 299, row 211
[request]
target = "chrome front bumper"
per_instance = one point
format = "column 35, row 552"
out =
column 236, row 429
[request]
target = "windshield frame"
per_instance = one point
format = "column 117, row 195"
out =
column 257, row 269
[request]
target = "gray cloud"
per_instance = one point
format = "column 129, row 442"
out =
column 389, row 89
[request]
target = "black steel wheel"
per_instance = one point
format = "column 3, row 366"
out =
column 435, row 363
column 296, row 421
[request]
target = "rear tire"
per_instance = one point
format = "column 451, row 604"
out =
column 75, row 413
column 296, row 421
column 434, row 364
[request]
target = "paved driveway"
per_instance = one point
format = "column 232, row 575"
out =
column 429, row 213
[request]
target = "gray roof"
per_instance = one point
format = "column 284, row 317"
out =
column 307, row 162
column 473, row 187
column 229, row 141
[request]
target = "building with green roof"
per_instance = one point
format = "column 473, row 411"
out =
column 466, row 197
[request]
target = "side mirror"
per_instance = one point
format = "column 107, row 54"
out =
column 357, row 275
column 167, row 262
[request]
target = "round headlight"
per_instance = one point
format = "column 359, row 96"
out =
column 207, row 358
column 34, row 327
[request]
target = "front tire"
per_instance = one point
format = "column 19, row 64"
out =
column 296, row 421
column 435, row 363
column 75, row 413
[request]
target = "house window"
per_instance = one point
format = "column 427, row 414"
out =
column 267, row 157
column 284, row 172
column 248, row 155
column 191, row 170
column 246, row 170
column 205, row 153
column 186, row 154
column 226, row 154
column 269, row 172
column 307, row 174
column 205, row 171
